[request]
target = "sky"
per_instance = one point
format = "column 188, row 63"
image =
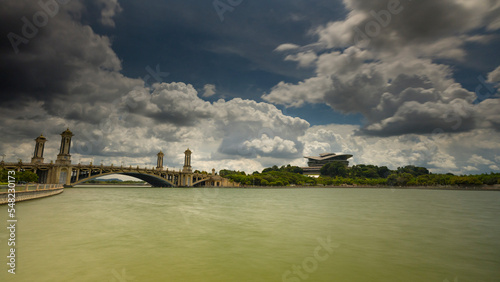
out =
column 250, row 84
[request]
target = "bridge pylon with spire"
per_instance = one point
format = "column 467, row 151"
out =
column 63, row 171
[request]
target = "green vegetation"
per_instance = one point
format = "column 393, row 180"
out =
column 23, row 176
column 273, row 176
column 334, row 169
column 336, row 174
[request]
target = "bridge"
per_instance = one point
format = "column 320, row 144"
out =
column 68, row 174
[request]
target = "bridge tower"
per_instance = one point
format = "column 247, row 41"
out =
column 187, row 161
column 39, row 146
column 187, row 172
column 64, row 157
column 159, row 162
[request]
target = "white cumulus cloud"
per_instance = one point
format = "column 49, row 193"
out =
column 208, row 90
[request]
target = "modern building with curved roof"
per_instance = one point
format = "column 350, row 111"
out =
column 315, row 163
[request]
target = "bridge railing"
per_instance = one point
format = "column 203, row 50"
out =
column 31, row 187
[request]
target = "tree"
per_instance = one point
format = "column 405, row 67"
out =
column 383, row 171
column 413, row 170
column 490, row 179
column 27, row 176
column 227, row 172
column 293, row 169
column 268, row 169
column 334, row 169
column 3, row 176
column 466, row 180
column 370, row 172
column 399, row 179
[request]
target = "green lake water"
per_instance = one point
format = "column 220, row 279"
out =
column 308, row 234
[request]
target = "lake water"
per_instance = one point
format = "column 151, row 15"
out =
column 309, row 234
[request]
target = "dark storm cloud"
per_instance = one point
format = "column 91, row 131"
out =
column 59, row 62
column 187, row 39
column 71, row 69
column 23, row 70
column 381, row 62
column 394, row 24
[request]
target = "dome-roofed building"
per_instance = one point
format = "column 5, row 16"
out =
column 315, row 163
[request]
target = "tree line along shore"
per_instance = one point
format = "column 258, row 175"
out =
column 337, row 174
column 332, row 174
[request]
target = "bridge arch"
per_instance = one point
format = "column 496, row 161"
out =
column 152, row 179
column 208, row 182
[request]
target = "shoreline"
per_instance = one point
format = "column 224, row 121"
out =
column 495, row 187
